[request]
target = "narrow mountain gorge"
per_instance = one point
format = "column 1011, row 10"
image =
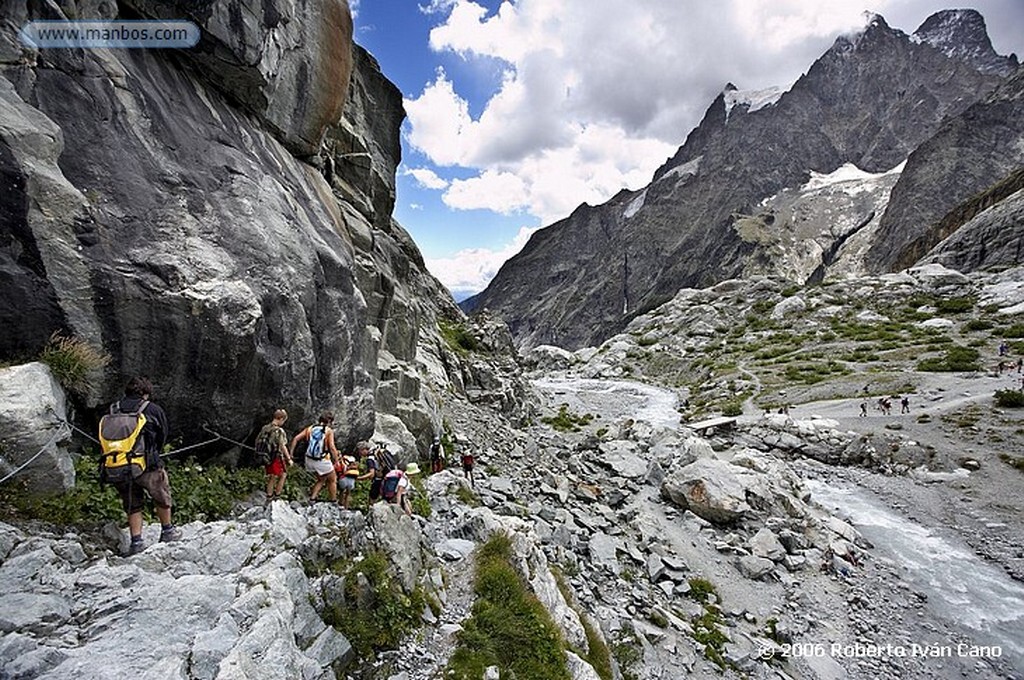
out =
column 738, row 194
column 718, row 472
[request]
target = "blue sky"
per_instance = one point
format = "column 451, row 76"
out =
column 519, row 111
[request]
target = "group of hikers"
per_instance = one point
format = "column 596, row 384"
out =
column 133, row 435
column 332, row 470
column 884, row 405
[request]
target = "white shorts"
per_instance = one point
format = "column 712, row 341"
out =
column 320, row 467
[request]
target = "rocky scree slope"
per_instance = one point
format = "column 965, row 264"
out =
column 868, row 102
column 220, row 220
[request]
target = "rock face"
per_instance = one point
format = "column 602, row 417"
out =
column 221, row 222
column 869, row 101
column 950, row 178
column 287, row 62
column 33, row 405
column 995, row 238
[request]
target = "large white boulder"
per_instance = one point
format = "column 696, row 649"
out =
column 33, row 409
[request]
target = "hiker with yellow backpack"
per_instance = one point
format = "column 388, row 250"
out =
column 132, row 436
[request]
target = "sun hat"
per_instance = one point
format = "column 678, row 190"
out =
column 412, row 469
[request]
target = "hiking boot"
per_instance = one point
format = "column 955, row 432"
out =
column 135, row 547
column 169, row 535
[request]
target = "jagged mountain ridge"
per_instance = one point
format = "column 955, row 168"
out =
column 869, row 101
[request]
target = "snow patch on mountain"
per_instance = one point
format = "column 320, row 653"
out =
column 847, row 178
column 753, row 99
column 635, row 205
column 687, row 169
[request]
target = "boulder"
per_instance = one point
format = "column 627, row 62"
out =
column 398, row 536
column 710, row 488
column 30, row 422
column 548, row 358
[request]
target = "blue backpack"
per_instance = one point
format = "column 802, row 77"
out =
column 315, row 449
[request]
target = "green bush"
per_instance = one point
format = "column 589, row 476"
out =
column 955, row 359
column 1009, row 398
column 72, row 361
column 1014, row 331
column 957, row 305
column 458, row 336
column 508, row 628
column 732, row 408
column 977, row 325
column 565, row 421
column 378, row 615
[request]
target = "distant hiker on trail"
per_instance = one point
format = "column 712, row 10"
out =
column 905, row 404
column 863, row 409
column 437, row 455
column 1020, row 364
column 132, row 437
column 1003, row 348
column 468, row 463
column 395, row 488
column 272, row 443
column 321, row 455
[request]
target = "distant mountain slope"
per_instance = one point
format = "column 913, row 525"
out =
column 969, row 153
column 869, row 101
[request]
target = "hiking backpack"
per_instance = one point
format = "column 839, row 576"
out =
column 389, row 488
column 264, row 452
column 386, row 461
column 123, row 446
column 316, row 450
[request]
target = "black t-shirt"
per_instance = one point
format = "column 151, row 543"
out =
column 154, row 432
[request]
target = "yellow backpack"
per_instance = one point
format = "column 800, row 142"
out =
column 124, row 447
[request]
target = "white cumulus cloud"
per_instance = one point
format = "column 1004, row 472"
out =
column 427, row 178
column 469, row 271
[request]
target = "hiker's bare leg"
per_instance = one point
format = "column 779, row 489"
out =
column 135, row 524
column 314, row 493
column 270, row 485
column 280, row 482
column 164, row 515
column 332, row 487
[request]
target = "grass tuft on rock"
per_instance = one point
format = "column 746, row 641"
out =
column 73, row 362
column 509, row 627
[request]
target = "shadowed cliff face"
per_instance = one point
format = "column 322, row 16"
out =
column 869, row 102
column 225, row 230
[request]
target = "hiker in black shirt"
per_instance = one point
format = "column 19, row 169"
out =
column 154, row 480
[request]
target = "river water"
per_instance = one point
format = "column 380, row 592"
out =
column 963, row 590
column 613, row 399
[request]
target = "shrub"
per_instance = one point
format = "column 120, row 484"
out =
column 509, row 627
column 977, row 325
column 72, row 360
column 732, row 408
column 956, row 359
column 1014, row 331
column 375, row 614
column 957, row 305
column 458, row 337
column 1010, row 398
column 565, row 421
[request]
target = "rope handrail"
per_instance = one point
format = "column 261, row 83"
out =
column 59, row 431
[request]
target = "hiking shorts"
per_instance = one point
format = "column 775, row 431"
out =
column 346, row 483
column 153, row 482
column 276, row 467
column 320, row 466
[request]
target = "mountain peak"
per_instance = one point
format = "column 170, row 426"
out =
column 961, row 34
